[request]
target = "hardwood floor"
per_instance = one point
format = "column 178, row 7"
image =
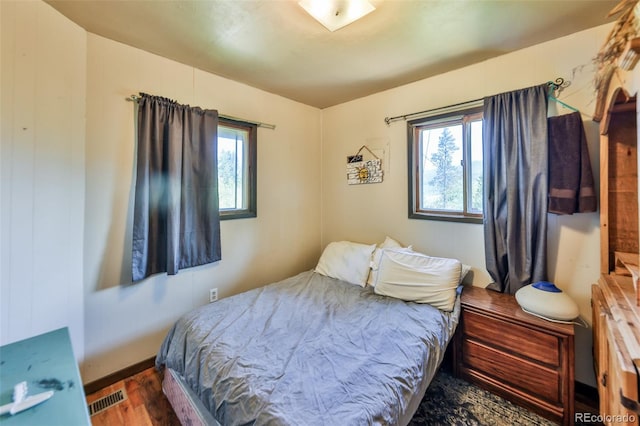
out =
column 145, row 404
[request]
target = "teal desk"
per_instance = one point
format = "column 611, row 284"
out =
column 45, row 362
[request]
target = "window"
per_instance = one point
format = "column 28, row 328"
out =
column 237, row 169
column 445, row 166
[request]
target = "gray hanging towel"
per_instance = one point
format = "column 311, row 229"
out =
column 571, row 187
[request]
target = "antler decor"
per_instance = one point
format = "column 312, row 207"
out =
column 624, row 30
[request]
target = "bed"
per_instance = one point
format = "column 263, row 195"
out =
column 309, row 350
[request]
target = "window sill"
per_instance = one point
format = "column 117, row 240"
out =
column 237, row 214
column 446, row 218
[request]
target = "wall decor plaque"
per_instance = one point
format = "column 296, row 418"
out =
column 361, row 171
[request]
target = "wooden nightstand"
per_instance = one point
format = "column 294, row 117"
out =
column 524, row 359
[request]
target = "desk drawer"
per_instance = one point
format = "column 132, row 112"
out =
column 513, row 338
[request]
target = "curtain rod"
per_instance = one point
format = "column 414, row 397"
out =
column 135, row 98
column 557, row 85
column 390, row 120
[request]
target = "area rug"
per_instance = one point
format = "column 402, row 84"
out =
column 451, row 401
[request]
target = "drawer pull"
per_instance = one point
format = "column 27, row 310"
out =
column 603, row 380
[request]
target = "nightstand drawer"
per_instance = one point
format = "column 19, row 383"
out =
column 542, row 347
column 509, row 369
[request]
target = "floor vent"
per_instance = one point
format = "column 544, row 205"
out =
column 107, row 402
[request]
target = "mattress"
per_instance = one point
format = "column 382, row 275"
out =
column 309, row 350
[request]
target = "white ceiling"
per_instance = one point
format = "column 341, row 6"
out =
column 276, row 46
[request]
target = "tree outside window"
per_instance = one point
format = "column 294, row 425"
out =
column 445, row 176
column 237, row 145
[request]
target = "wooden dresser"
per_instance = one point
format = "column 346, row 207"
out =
column 516, row 355
column 616, row 350
column 614, row 299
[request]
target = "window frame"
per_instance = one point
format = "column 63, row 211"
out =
column 464, row 115
column 252, row 177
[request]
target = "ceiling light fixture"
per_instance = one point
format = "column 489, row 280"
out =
column 335, row 14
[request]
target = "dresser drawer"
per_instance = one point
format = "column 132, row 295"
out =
column 542, row 347
column 509, row 369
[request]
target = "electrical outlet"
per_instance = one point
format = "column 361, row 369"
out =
column 213, row 295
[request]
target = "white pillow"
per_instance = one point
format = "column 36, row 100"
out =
column 415, row 277
column 346, row 261
column 388, row 243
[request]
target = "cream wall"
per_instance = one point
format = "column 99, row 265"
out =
column 125, row 322
column 66, row 190
column 43, row 68
column 367, row 213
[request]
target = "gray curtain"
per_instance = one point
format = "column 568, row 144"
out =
column 515, row 187
column 176, row 221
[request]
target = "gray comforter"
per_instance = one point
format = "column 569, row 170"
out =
column 309, row 350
